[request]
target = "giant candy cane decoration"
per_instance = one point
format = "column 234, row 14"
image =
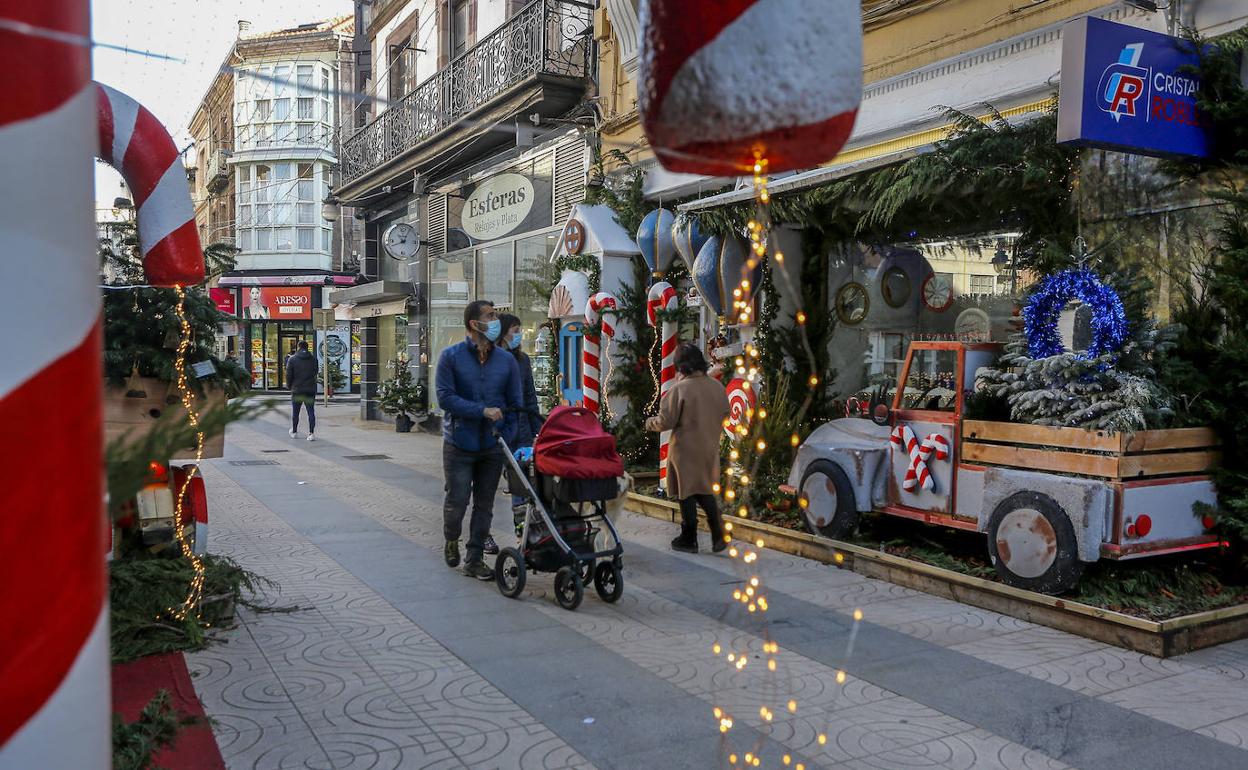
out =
column 600, row 307
column 54, row 673
column 663, row 297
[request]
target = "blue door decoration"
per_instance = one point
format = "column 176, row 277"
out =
column 570, row 342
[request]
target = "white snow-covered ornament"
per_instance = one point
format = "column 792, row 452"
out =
column 725, row 82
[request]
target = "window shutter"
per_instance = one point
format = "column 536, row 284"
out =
column 437, row 224
column 571, row 164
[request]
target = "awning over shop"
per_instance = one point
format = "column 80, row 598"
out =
column 865, row 158
column 311, row 279
column 370, row 300
column 372, row 292
column 375, row 309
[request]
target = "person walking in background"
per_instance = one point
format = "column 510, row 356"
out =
column 478, row 388
column 529, row 420
column 694, row 411
column 301, row 371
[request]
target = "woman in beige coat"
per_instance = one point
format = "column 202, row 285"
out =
column 694, row 411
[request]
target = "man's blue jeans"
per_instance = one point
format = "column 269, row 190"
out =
column 475, row 475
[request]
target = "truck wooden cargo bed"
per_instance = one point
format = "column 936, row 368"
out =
column 1084, row 452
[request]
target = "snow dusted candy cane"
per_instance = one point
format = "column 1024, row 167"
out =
column 54, row 675
column 600, row 307
column 724, row 79
column 662, row 297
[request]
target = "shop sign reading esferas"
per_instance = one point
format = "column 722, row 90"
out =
column 504, row 204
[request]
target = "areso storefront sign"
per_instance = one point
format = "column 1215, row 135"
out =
column 497, row 207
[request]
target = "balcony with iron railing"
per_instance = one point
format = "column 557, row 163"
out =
column 547, row 40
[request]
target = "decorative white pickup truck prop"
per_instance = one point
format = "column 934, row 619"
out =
column 1050, row 500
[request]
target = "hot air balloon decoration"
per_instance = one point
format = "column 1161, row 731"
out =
column 654, row 238
column 689, row 239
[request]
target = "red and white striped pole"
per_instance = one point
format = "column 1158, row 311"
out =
column 600, row 307
column 663, row 297
column 54, row 657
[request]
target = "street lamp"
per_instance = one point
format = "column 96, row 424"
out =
column 1000, row 258
column 331, row 208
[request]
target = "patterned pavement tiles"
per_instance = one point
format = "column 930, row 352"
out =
column 870, row 727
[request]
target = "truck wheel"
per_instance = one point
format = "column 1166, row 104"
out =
column 1032, row 544
column 827, row 500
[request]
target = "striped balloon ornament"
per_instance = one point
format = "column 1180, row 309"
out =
column 741, row 403
column 54, row 674
column 722, row 80
column 600, row 307
column 663, row 297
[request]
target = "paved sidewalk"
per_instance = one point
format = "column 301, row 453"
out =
column 397, row 662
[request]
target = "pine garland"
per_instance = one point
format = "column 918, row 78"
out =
column 989, row 175
column 139, row 321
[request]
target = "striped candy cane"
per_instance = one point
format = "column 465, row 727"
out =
column 54, row 676
column 934, row 444
column 741, row 401
column 600, row 307
column 663, row 297
column 134, row 142
column 917, row 474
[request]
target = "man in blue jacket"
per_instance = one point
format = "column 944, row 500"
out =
column 478, row 390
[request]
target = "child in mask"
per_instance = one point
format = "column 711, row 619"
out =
column 529, row 420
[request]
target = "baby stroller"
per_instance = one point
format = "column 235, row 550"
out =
column 567, row 479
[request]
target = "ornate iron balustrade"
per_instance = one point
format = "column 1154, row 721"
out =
column 550, row 37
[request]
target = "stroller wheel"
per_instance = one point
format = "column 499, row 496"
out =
column 568, row 589
column 608, row 582
column 586, row 569
column 509, row 573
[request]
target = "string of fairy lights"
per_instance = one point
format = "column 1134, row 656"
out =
column 753, row 596
column 195, row 590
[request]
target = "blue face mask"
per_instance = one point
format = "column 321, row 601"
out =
column 514, row 342
column 493, row 329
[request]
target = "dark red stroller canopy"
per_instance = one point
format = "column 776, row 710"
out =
column 573, row 445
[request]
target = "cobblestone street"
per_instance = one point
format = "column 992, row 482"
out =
column 394, row 661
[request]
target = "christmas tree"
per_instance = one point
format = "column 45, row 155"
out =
column 141, row 328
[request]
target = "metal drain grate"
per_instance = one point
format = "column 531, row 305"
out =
column 366, row 457
column 274, row 451
column 253, row 462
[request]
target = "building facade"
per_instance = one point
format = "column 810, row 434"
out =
column 471, row 134
column 266, row 140
column 919, row 58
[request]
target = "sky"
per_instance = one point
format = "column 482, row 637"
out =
column 196, row 32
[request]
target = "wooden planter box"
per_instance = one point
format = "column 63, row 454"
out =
column 131, row 410
column 1116, row 457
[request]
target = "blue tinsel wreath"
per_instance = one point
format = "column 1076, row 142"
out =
column 1109, row 319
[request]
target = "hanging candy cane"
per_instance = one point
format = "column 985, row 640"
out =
column 741, row 401
column 600, row 307
column 662, row 297
column 54, row 675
